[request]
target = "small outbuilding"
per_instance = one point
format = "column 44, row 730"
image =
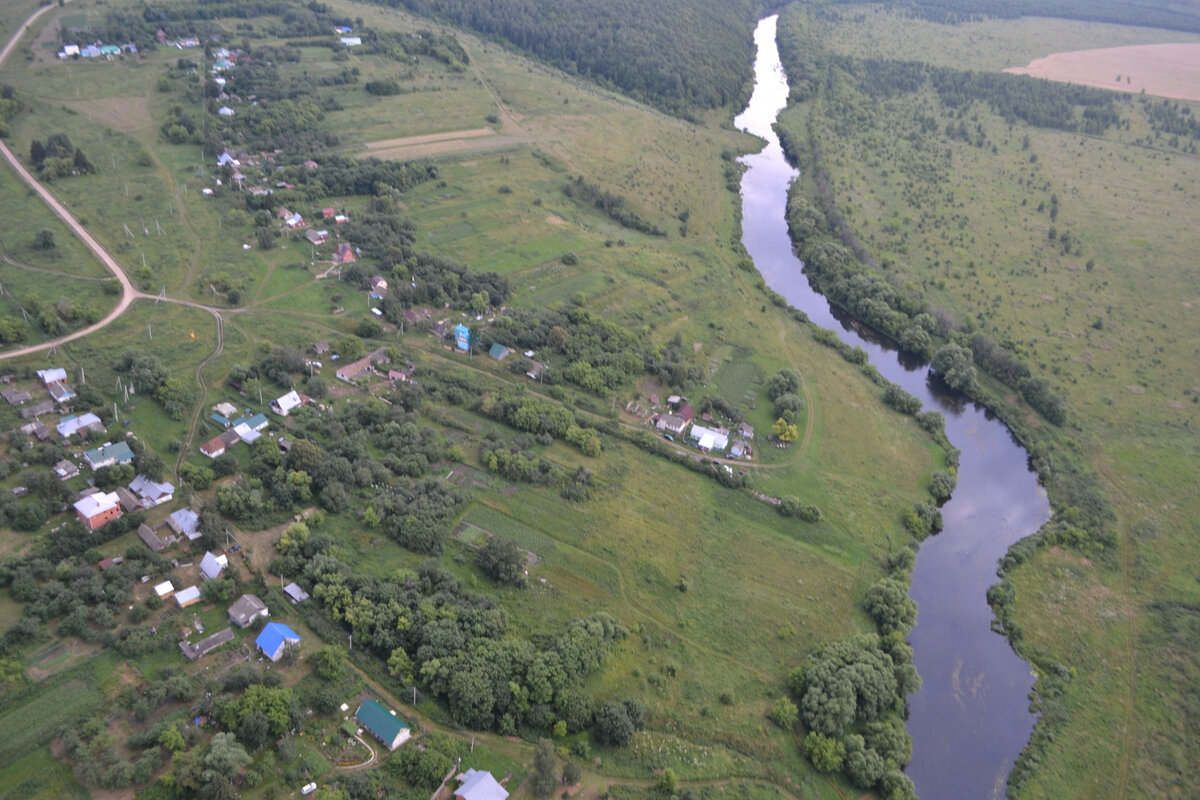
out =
column 188, row 597
column 211, row 565
column 479, row 785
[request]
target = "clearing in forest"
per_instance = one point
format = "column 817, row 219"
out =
column 1164, row 70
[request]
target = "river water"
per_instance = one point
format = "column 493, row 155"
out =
column 971, row 718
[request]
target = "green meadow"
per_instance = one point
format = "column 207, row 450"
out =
column 722, row 594
column 1077, row 252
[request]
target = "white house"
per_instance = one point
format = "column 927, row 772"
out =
column 284, row 405
column 211, row 566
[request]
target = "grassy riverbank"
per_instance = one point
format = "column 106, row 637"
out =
column 1072, row 250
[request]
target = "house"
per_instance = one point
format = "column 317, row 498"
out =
column 295, row 593
column 671, row 423
column 109, row 50
column 378, row 285
column 108, row 454
column 479, row 785
column 185, row 522
column 37, row 430
column 745, row 430
column 310, row 164
column 321, row 348
column 90, row 51
column 152, row 493
column 284, row 405
column 739, row 449
column 150, row 538
column 274, row 638
column 255, row 422
column 340, row 218
column 328, row 213
column 246, row 609
column 211, row 566
column 295, row 222
column 187, row 597
column 344, row 254
column 49, row 376
column 225, row 111
column 71, row 424
column 60, row 391
column 219, row 444
column 384, row 725
column 316, row 237
column 164, row 590
column 66, row 470
column 498, row 351
column 226, row 160
column 400, row 375
column 206, row 645
column 70, row 50
column 15, row 397
column 190, row 41
column 350, row 41
column 462, row 337
column 44, row 407
column 350, row 373
column 687, row 413
column 246, row 433
column 97, row 509
column 710, row 439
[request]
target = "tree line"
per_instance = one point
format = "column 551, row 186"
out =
column 677, row 55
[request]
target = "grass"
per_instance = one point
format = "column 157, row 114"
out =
column 40, row 776
column 1111, row 324
column 760, row 592
column 24, row 727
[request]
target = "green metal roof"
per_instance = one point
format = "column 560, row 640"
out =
column 379, row 721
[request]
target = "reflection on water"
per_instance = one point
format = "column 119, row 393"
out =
column 971, row 718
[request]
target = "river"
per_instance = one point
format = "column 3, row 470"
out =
column 971, row 718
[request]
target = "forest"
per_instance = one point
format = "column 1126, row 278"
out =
column 675, row 55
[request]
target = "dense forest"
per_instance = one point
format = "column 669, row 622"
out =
column 1150, row 13
column 678, row 55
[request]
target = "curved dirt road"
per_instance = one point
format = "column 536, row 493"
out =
column 128, row 293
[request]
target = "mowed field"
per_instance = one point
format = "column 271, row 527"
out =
column 1111, row 316
column 1163, row 70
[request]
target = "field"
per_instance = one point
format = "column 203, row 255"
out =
column 722, row 594
column 976, row 222
column 1163, row 70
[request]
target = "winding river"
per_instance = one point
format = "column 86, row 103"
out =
column 971, row 718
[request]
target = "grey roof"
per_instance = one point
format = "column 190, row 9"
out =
column 294, row 591
column 245, row 609
column 194, row 651
column 151, row 539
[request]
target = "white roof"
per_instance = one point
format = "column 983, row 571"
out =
column 164, row 588
column 211, row 565
column 150, row 490
column 188, row 595
column 480, row 785
column 97, row 503
column 710, row 439
column 52, row 375
column 287, row 402
column 70, row 425
column 246, row 433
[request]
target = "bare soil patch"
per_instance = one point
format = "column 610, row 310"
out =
column 1164, row 70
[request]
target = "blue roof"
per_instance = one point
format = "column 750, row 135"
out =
column 273, row 635
column 219, row 419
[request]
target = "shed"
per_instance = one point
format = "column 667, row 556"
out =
column 295, row 593
column 164, row 590
column 384, row 725
column 150, row 538
column 498, row 351
column 193, row 651
column 188, row 597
